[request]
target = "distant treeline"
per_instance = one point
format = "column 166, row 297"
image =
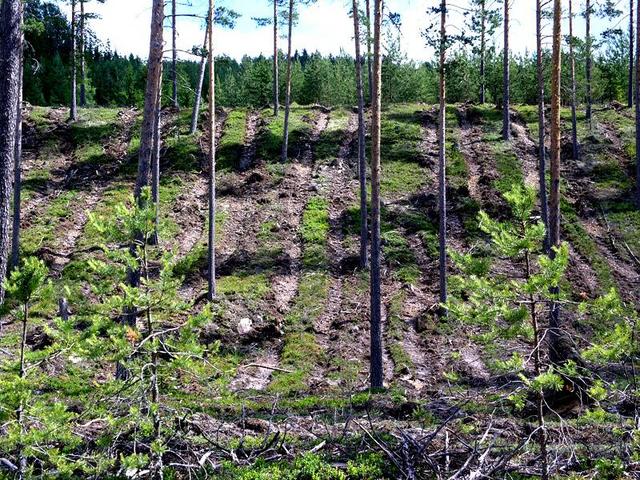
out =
column 115, row 80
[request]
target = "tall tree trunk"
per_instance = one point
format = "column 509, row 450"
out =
column 588, row 59
column 637, row 95
column 83, row 69
column 276, row 73
column 555, row 349
column 155, row 162
column 17, row 165
column 212, row 162
column 506, row 97
column 362, row 160
column 174, row 55
column 73, row 111
column 287, row 105
column 203, row 68
column 10, row 46
column 442, row 164
column 369, row 66
column 483, row 47
column 154, row 83
column 572, row 59
column 542, row 152
column 22, row 458
column 376, row 307
column 631, row 56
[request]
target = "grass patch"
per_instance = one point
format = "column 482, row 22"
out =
column 314, row 232
column 249, row 287
column 301, row 353
column 232, row 140
column 400, row 257
column 328, row 146
column 270, row 145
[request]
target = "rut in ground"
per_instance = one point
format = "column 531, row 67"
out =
column 287, row 201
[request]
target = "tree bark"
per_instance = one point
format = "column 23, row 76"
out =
column 588, row 59
column 155, row 162
column 542, row 152
column 362, row 160
column 73, row 110
column 198, row 99
column 211, row 278
column 483, row 47
column 631, row 56
column 506, row 100
column 10, row 54
column 376, row 307
column 276, row 73
column 555, row 350
column 17, row 165
column 287, row 105
column 154, row 79
column 369, row 66
column 637, row 95
column 174, row 55
column 572, row 59
column 442, row 164
column 83, row 69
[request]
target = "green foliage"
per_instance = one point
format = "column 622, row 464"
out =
column 314, row 232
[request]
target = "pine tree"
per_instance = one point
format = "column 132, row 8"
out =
column 362, row 160
column 211, row 127
column 376, row 366
column 631, row 57
column 73, row 109
column 483, row 20
column 442, row 161
column 542, row 151
column 506, row 82
column 572, row 60
column 10, row 53
column 556, row 352
column 588, row 59
column 17, row 165
column 637, row 84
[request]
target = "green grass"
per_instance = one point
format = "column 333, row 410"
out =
column 457, row 169
column 270, row 145
column 314, row 232
column 400, row 257
column 301, row 353
column 232, row 140
column 249, row 287
column 328, row 145
column 90, row 132
column 623, row 124
column 401, row 133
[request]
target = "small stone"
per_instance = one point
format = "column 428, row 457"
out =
column 245, row 326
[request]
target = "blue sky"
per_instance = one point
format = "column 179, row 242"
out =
column 324, row 26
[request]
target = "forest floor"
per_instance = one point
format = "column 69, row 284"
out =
column 292, row 310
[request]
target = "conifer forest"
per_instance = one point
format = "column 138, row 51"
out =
column 317, row 264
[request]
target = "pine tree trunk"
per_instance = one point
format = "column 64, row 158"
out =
column 211, row 278
column 287, row 106
column 73, row 110
column 572, row 59
column 542, row 151
column 442, row 164
column 147, row 136
column 198, row 99
column 174, row 55
column 506, row 97
column 555, row 349
column 83, row 69
column 588, row 59
column 154, row 82
column 10, row 46
column 17, row 165
column 276, row 73
column 362, row 160
column 155, row 163
column 369, row 66
column 637, row 98
column 631, row 53
column 376, row 307
column 483, row 48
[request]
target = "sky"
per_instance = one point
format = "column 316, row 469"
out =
column 324, row 27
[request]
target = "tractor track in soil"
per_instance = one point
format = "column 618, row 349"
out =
column 289, row 197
